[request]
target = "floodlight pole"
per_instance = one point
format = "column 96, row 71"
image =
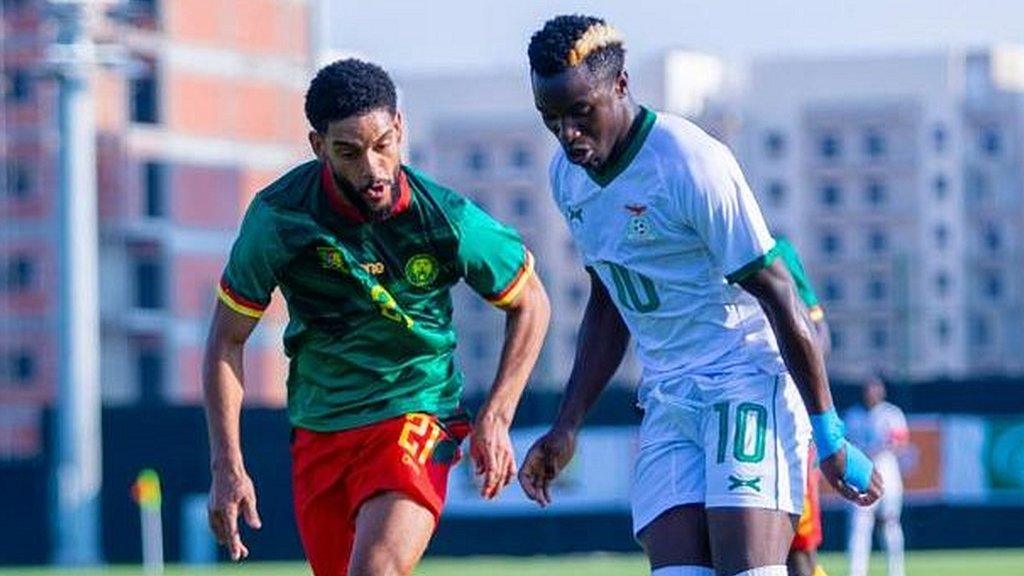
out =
column 77, row 453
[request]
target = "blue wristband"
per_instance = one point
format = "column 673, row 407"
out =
column 858, row 468
column 828, row 431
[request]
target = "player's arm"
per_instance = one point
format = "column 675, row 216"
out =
column 842, row 464
column 243, row 294
column 232, row 492
column 599, row 351
column 526, row 324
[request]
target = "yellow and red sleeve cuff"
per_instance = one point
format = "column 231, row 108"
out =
column 508, row 296
column 238, row 303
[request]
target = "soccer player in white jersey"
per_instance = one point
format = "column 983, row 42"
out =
column 681, row 259
column 880, row 429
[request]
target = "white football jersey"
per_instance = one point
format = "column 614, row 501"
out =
column 662, row 229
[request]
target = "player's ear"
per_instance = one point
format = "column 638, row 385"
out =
column 622, row 84
column 316, row 142
column 399, row 126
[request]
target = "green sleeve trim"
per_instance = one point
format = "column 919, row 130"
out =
column 753, row 267
column 804, row 288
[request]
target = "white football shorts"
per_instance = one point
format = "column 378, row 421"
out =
column 724, row 443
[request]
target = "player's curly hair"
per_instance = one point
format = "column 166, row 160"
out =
column 568, row 41
column 347, row 88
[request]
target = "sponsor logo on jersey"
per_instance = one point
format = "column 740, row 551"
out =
column 639, row 226
column 574, row 215
column 331, row 258
column 421, row 270
column 736, row 482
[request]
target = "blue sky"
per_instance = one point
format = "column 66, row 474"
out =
column 406, row 35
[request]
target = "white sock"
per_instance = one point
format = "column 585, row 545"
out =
column 683, row 571
column 765, row 571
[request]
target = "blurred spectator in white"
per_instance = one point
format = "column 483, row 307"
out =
column 880, row 429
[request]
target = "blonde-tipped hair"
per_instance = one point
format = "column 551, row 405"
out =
column 596, row 37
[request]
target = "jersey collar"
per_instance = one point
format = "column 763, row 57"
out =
column 638, row 131
column 344, row 208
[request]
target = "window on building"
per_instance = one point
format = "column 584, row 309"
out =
column 877, row 290
column 830, row 146
column 939, row 138
column 832, row 290
column 150, row 373
column 941, row 187
column 941, row 235
column 838, row 337
column 144, row 89
column 476, row 160
column 992, row 285
column 942, row 331
column 980, row 331
column 521, row 157
column 776, row 192
column 149, row 284
column 874, row 144
column 942, row 284
column 878, row 241
column 521, row 204
column 878, row 338
column 876, row 192
column 831, row 244
column 831, row 194
column 774, row 144
column 19, row 179
column 17, row 273
column 18, row 85
column 991, row 141
column 154, row 189
column 993, row 239
column 18, row 367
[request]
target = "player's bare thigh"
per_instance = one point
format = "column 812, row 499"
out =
column 677, row 537
column 392, row 533
column 745, row 538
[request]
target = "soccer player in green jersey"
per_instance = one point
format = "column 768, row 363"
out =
column 365, row 251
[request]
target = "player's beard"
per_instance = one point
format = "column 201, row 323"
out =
column 355, row 196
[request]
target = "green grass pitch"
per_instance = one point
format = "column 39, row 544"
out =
column 931, row 563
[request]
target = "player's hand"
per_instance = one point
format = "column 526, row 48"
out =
column 547, row 457
column 231, row 493
column 833, row 469
column 494, row 458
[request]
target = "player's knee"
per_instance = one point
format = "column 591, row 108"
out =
column 381, row 561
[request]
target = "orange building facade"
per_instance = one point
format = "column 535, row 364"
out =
column 213, row 113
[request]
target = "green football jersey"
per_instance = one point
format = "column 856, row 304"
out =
column 804, row 288
column 370, row 332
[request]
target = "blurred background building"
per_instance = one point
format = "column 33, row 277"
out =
column 901, row 180
column 210, row 114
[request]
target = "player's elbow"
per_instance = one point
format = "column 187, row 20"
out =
column 533, row 304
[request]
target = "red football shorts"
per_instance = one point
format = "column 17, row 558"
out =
column 808, row 529
column 333, row 473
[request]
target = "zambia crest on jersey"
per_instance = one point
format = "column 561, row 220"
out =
column 421, row 270
column 639, row 226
